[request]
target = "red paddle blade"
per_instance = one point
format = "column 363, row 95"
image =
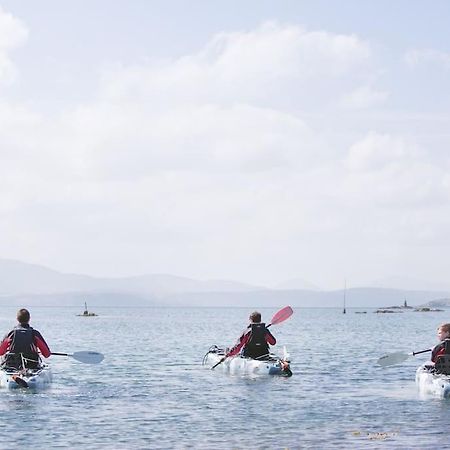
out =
column 282, row 315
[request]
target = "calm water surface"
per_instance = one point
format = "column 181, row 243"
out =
column 152, row 391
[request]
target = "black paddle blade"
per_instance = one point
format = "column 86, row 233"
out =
column 21, row 382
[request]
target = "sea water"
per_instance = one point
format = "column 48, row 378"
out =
column 151, row 391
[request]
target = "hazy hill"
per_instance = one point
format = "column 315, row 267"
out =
column 21, row 278
column 94, row 300
column 22, row 283
column 18, row 278
column 438, row 303
column 412, row 284
column 297, row 284
column 355, row 297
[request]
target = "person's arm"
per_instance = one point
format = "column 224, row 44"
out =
column 236, row 349
column 41, row 344
column 4, row 345
column 270, row 339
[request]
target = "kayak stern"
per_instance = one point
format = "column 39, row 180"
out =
column 239, row 365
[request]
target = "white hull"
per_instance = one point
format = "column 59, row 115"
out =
column 430, row 383
column 238, row 365
column 29, row 379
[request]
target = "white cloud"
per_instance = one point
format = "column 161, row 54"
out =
column 270, row 66
column 364, row 97
column 376, row 151
column 201, row 138
column 216, row 164
column 393, row 171
column 12, row 34
column 419, row 57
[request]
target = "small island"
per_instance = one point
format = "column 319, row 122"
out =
column 86, row 313
column 427, row 309
column 432, row 306
column 394, row 309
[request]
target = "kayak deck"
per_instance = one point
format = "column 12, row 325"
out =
column 34, row 379
column 239, row 365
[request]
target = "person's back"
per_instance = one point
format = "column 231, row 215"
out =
column 257, row 346
column 255, row 341
column 22, row 343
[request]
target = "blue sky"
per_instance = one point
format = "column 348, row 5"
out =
column 257, row 141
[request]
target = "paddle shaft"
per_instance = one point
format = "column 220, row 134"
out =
column 220, row 362
column 422, row 351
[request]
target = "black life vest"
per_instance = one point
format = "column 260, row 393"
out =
column 22, row 340
column 22, row 349
column 256, row 345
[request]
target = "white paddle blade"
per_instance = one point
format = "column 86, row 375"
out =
column 393, row 358
column 285, row 353
column 88, row 357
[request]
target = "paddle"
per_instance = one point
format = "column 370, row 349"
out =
column 84, row 357
column 20, row 381
column 278, row 317
column 398, row 357
column 281, row 316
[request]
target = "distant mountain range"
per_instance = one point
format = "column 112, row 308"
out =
column 396, row 282
column 30, row 284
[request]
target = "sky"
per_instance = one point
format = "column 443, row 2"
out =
column 256, row 141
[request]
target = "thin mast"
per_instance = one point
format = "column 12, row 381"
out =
column 345, row 290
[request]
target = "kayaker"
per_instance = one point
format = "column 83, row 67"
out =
column 22, row 344
column 255, row 340
column 444, row 345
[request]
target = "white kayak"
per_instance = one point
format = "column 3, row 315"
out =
column 35, row 379
column 431, row 383
column 240, row 365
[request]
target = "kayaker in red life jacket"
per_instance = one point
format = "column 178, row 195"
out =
column 254, row 340
column 444, row 346
column 22, row 343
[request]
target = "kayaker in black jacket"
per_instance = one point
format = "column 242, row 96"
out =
column 254, row 340
column 22, row 344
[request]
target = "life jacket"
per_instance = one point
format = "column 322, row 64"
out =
column 256, row 345
column 22, row 350
column 442, row 364
column 443, row 348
